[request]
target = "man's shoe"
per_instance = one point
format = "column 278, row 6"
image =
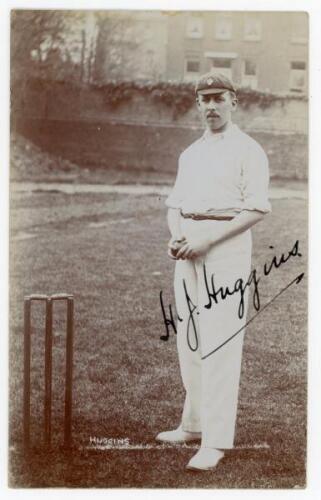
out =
column 178, row 436
column 205, row 459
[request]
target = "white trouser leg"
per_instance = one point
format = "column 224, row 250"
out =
column 220, row 372
column 220, row 395
column 189, row 360
column 212, row 384
column 221, row 369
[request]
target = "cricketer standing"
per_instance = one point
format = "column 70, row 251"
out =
column 221, row 191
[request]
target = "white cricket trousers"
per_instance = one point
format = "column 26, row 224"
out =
column 212, row 383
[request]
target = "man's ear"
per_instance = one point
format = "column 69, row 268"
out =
column 234, row 101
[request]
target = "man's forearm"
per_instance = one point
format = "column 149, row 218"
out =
column 195, row 245
column 239, row 224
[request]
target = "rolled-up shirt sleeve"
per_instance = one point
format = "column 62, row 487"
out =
column 176, row 197
column 255, row 182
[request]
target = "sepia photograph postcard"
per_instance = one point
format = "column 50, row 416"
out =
column 158, row 250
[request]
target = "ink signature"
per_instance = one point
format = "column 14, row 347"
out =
column 215, row 295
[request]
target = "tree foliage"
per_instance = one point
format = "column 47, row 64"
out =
column 60, row 45
column 31, row 31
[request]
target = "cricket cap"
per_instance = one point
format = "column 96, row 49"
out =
column 214, row 83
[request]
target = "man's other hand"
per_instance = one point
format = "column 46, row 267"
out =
column 194, row 247
column 174, row 244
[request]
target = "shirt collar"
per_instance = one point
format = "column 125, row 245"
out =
column 231, row 128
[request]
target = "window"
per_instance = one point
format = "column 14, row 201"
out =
column 194, row 27
column 223, row 27
column 298, row 76
column 300, row 65
column 249, row 68
column 223, row 65
column 192, row 69
column 192, row 66
column 252, row 29
column 249, row 74
column 222, row 62
column 299, row 28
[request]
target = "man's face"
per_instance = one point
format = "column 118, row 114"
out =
column 216, row 109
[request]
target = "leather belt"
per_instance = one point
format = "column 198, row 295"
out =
column 206, row 217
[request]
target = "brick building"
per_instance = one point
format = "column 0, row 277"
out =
column 263, row 50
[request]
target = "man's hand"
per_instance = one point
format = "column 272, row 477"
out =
column 174, row 244
column 194, row 246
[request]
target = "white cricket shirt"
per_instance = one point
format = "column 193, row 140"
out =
column 221, row 174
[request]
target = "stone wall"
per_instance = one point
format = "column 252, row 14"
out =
column 62, row 102
column 142, row 134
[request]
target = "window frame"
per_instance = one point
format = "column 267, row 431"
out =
column 252, row 38
column 191, row 75
column 249, row 80
column 297, row 72
column 188, row 33
column 220, row 18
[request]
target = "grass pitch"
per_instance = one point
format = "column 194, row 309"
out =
column 110, row 251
